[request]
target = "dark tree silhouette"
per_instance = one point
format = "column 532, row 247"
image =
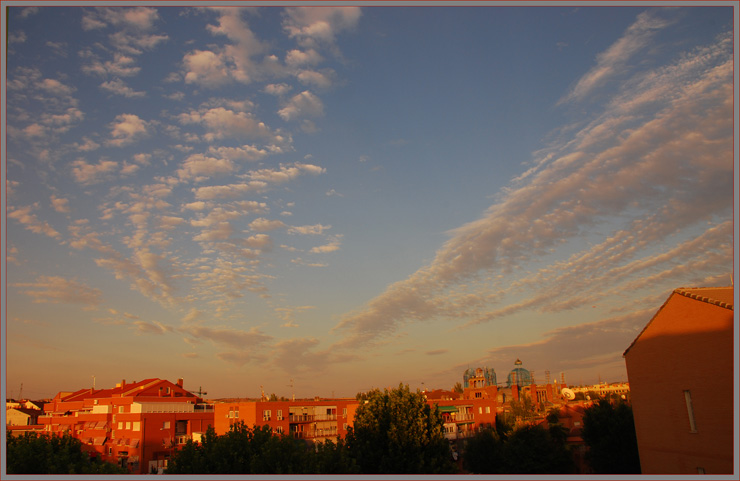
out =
column 609, row 433
column 51, row 454
column 396, row 432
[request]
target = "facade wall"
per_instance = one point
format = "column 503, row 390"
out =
column 136, row 426
column 687, row 346
column 309, row 420
column 21, row 417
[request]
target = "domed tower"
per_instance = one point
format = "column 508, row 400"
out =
column 476, row 378
column 519, row 376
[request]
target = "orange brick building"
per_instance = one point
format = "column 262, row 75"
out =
column 315, row 420
column 136, row 425
column 680, row 371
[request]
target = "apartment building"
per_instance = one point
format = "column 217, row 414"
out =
column 680, row 370
column 137, row 425
column 315, row 420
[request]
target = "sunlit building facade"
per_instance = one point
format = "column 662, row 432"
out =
column 136, row 425
column 680, row 370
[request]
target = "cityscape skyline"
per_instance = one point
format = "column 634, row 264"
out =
column 323, row 200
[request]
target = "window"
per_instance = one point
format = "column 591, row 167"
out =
column 279, row 430
column 236, row 413
column 480, row 410
column 266, row 415
column 344, row 412
column 478, row 395
column 279, row 414
column 128, row 424
column 120, row 425
column 120, row 409
column 488, row 409
column 166, row 425
column 137, row 426
column 690, row 411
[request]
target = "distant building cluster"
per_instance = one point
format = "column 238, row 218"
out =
column 683, row 422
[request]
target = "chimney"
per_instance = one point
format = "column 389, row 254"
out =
column 179, row 382
column 123, row 383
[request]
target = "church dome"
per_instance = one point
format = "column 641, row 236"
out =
column 519, row 376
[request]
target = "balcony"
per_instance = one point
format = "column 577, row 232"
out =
column 461, row 417
column 308, row 418
column 326, row 433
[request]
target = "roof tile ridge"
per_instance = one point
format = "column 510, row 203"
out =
column 686, row 292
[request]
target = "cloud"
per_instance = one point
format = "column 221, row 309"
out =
column 297, row 355
column 119, row 87
column 134, row 27
column 264, row 225
column 614, row 61
column 297, row 58
column 312, row 27
column 59, row 204
column 121, row 66
column 86, row 173
column 198, row 167
column 222, row 123
column 659, row 175
column 316, row 229
column 304, row 104
column 233, row 338
column 31, row 222
column 205, row 68
column 55, row 289
column 277, row 89
column 126, row 129
column 285, row 173
column 234, row 62
column 437, row 352
column 143, row 327
column 334, row 245
column 229, row 191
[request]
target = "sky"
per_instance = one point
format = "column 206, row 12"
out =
column 318, row 201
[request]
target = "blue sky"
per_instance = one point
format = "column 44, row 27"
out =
column 351, row 197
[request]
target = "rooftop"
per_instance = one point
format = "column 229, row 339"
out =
column 719, row 296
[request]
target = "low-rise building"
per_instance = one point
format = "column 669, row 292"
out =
column 310, row 420
column 136, row 425
column 22, row 416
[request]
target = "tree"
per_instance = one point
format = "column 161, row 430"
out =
column 242, row 450
column 396, row 432
column 523, row 409
column 530, row 449
column 457, row 388
column 329, row 457
column 50, row 454
column 484, row 453
column 533, row 449
column 609, row 433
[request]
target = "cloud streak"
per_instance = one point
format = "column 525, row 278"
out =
column 651, row 171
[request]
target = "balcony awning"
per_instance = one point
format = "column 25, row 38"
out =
column 447, row 409
column 99, row 441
